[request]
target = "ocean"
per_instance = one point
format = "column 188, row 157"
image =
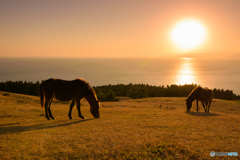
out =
column 211, row 73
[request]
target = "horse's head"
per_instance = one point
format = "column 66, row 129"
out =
column 189, row 105
column 95, row 109
column 94, row 103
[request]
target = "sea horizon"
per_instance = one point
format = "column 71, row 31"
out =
column 211, row 73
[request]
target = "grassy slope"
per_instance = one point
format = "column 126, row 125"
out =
column 128, row 129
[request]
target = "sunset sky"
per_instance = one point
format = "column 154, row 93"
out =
column 108, row 28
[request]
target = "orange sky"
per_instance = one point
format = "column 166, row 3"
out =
column 107, row 28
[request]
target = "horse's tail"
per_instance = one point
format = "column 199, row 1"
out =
column 41, row 95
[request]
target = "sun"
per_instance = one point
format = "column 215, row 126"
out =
column 188, row 34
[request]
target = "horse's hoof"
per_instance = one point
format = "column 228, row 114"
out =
column 48, row 119
column 53, row 118
column 70, row 118
column 82, row 117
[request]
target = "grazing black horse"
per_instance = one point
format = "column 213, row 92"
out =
column 73, row 91
column 204, row 95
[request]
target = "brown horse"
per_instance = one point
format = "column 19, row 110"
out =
column 73, row 91
column 200, row 94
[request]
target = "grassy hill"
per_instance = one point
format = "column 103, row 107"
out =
column 148, row 128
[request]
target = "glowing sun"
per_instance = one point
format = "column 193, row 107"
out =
column 188, row 34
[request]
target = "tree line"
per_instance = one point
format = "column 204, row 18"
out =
column 21, row 87
column 137, row 91
column 111, row 92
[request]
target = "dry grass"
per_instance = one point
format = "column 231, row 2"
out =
column 149, row 128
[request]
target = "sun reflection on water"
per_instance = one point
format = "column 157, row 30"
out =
column 186, row 73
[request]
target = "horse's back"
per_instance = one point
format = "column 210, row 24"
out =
column 200, row 94
column 64, row 90
column 208, row 93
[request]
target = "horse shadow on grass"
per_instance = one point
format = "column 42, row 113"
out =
column 203, row 114
column 12, row 128
column 8, row 124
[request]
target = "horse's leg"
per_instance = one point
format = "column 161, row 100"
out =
column 70, row 109
column 209, row 105
column 78, row 108
column 197, row 105
column 46, row 107
column 203, row 106
column 49, row 110
column 206, row 104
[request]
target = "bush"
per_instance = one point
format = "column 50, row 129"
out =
column 110, row 96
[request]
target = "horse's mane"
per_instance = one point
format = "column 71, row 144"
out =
column 89, row 87
column 191, row 94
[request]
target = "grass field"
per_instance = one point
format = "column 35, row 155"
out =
column 151, row 128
